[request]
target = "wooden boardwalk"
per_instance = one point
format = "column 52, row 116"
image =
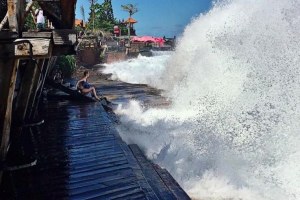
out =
column 81, row 156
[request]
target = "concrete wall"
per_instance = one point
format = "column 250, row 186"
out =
column 89, row 56
column 115, row 57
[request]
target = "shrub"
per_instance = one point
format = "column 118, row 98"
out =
column 67, row 65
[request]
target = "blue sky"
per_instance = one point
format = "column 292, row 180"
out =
column 156, row 17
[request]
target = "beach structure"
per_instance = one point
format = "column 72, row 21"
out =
column 129, row 22
column 25, row 59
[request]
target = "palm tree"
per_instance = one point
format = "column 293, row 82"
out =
column 92, row 2
column 130, row 8
column 82, row 13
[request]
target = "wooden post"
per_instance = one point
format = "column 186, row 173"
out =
column 15, row 10
column 34, row 48
column 48, row 66
column 8, row 74
column 36, row 82
column 22, row 101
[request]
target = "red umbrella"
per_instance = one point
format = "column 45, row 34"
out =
column 157, row 40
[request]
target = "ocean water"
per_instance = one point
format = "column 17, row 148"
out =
column 232, row 131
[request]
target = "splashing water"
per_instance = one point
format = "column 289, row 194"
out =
column 143, row 69
column 234, row 79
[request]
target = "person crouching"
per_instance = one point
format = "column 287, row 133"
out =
column 84, row 87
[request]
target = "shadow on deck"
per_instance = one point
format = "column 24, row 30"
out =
column 81, row 156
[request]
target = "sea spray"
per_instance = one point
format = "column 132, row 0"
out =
column 232, row 131
column 144, row 70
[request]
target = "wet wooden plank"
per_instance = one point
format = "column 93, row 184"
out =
column 99, row 171
column 101, row 178
column 96, row 163
column 160, row 189
column 124, row 194
column 101, row 193
column 129, row 194
column 106, row 186
column 171, row 183
column 95, row 169
column 82, row 161
column 148, row 190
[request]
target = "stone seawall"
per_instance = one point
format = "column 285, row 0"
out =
column 115, row 57
column 89, row 56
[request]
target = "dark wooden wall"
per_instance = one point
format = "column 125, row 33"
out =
column 25, row 59
column 61, row 13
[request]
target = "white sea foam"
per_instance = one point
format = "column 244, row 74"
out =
column 234, row 79
column 145, row 70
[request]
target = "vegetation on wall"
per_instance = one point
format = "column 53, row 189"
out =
column 67, row 65
column 29, row 23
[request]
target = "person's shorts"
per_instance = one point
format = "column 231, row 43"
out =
column 40, row 25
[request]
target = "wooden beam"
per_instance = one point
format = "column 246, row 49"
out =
column 15, row 10
column 48, row 66
column 12, row 15
column 37, row 35
column 22, row 101
column 36, row 80
column 21, row 14
column 4, row 20
column 8, row 74
column 32, row 48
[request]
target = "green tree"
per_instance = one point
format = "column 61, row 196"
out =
column 92, row 14
column 108, row 9
column 101, row 16
column 29, row 21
